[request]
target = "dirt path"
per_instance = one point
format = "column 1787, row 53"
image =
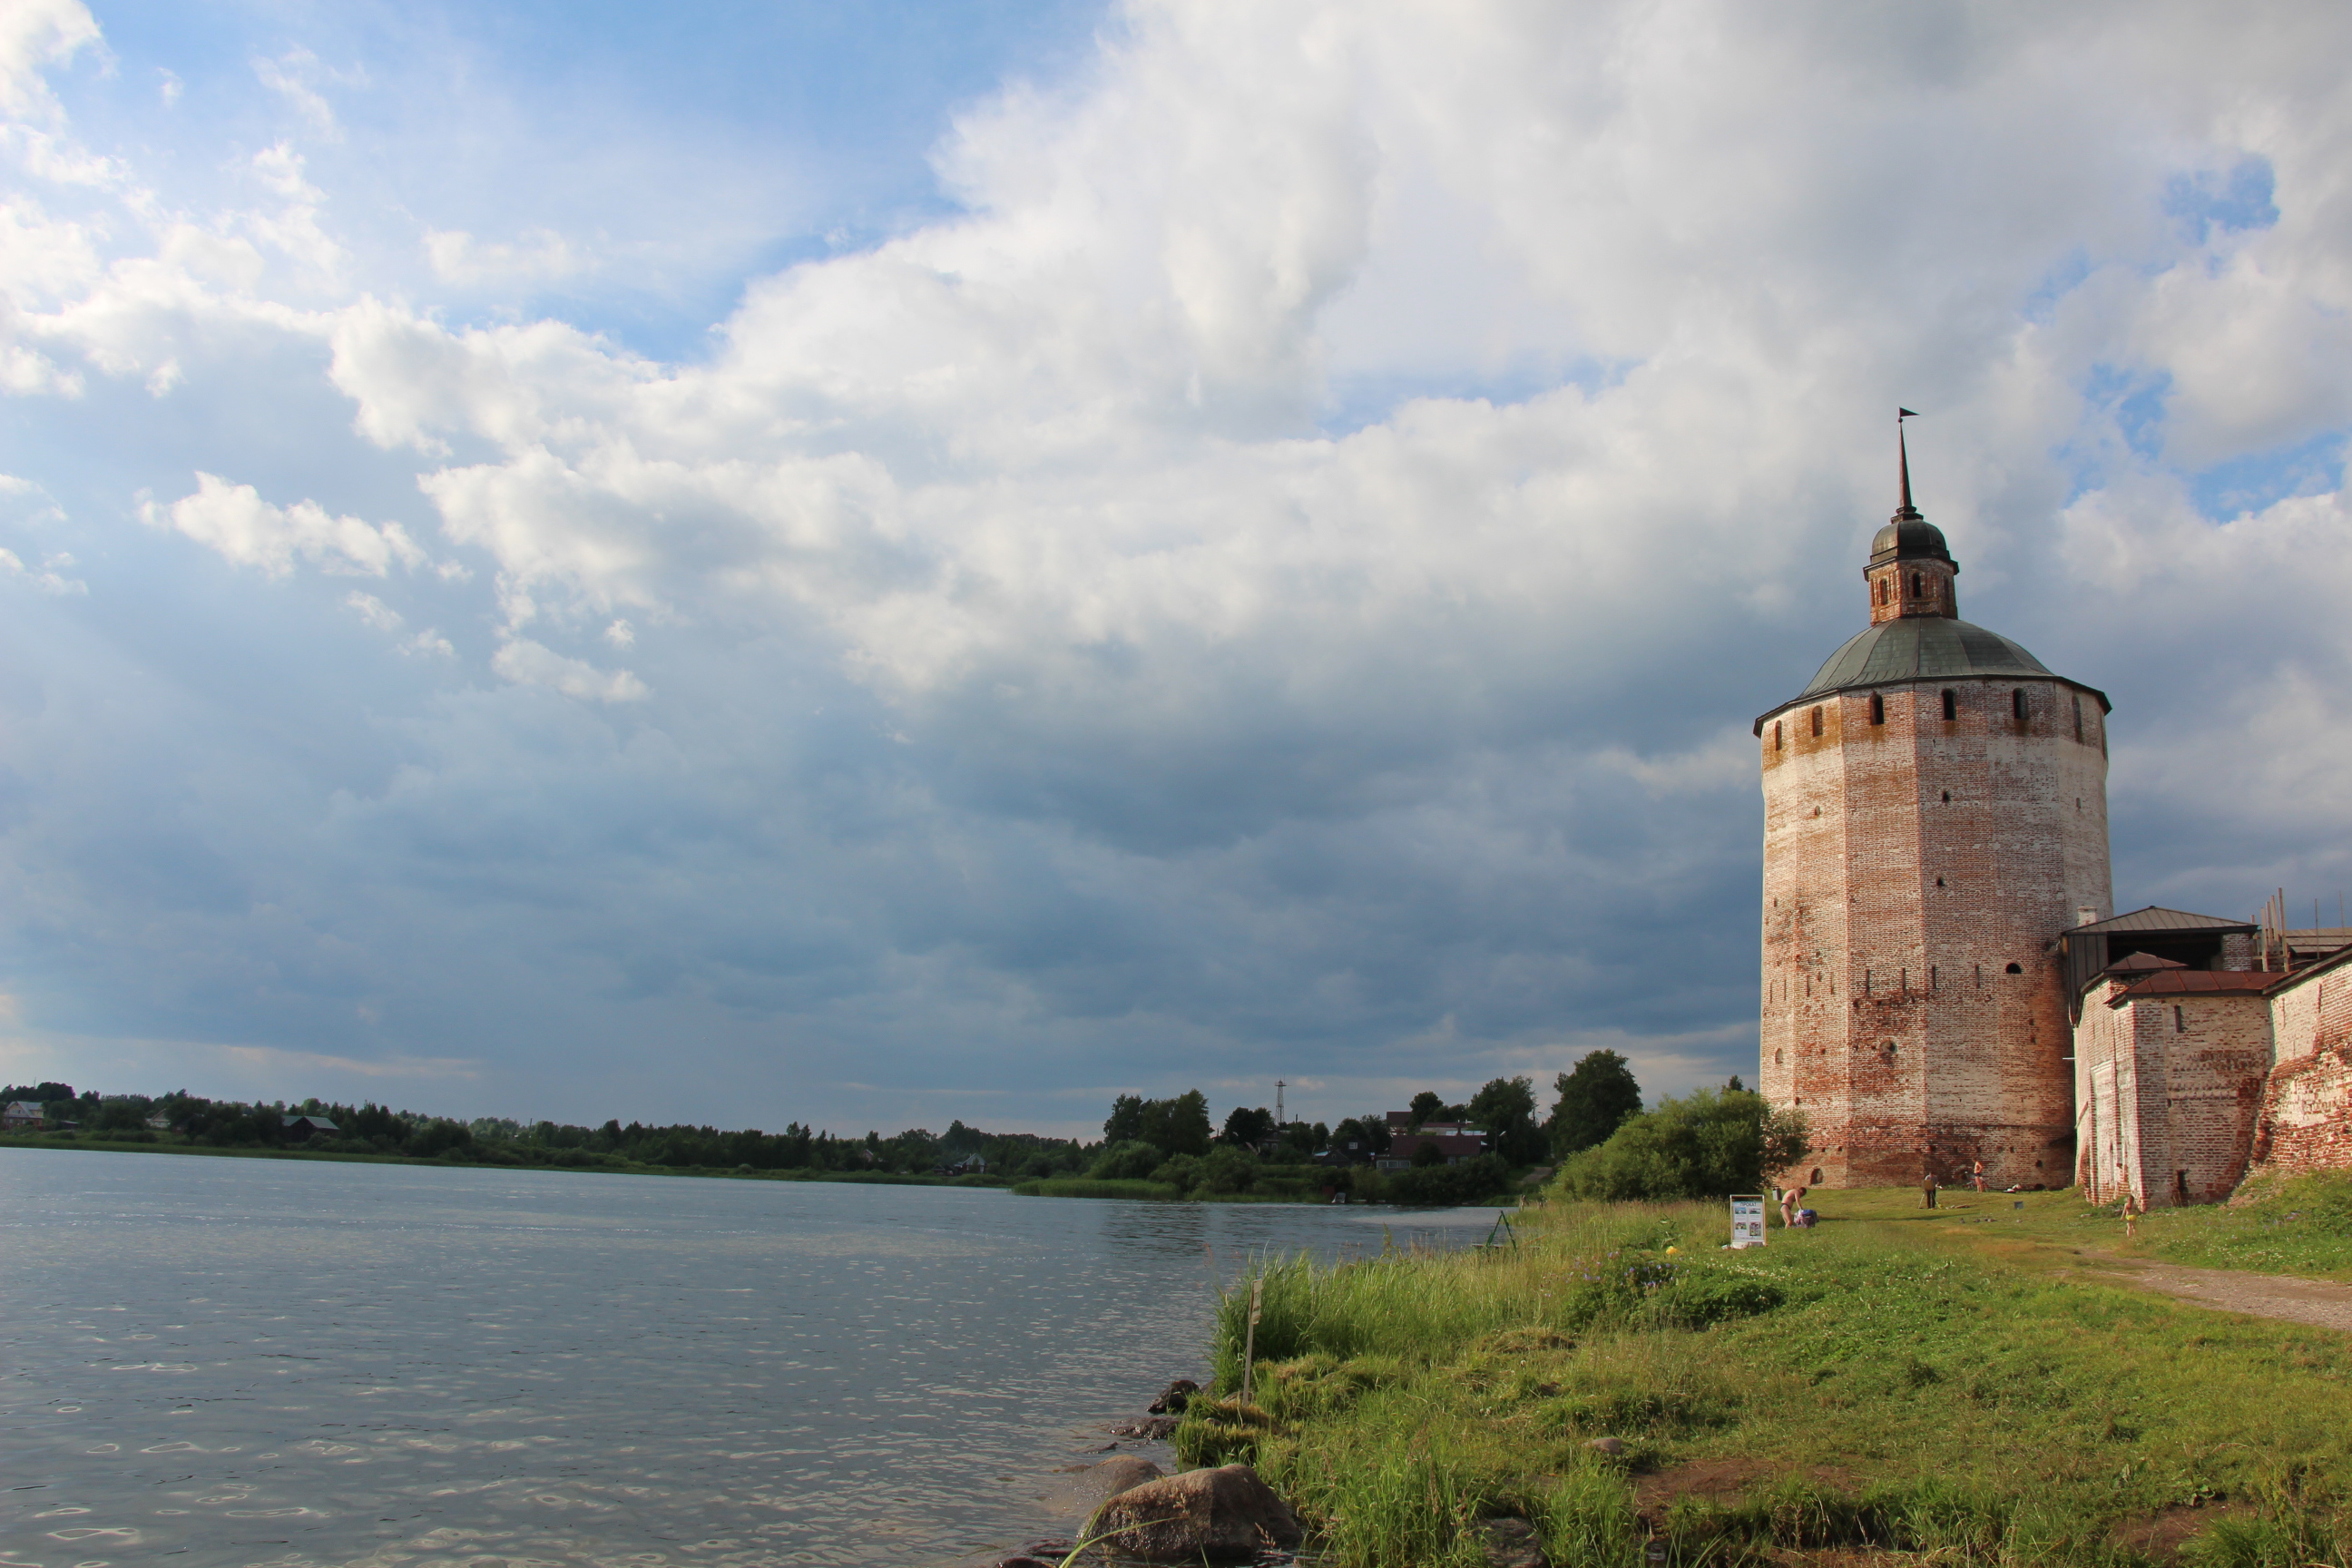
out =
column 2318, row 1302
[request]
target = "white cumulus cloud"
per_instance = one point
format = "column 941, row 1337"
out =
column 528, row 663
column 235, row 521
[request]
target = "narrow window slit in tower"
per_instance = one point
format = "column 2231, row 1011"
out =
column 1918, row 585
column 1951, row 705
column 1776, row 734
column 1934, row 978
column 1948, row 797
column 2179, row 1021
column 2017, row 703
column 2078, row 719
column 1877, row 708
column 1817, row 720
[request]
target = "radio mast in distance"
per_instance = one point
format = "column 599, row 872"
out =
column 1278, row 1102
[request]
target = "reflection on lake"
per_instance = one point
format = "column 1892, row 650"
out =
column 243, row 1361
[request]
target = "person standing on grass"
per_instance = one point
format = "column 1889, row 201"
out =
column 2131, row 1217
column 1976, row 1175
column 1927, row 1189
column 1789, row 1198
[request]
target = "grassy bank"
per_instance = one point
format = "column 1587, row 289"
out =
column 600, row 1165
column 1932, row 1385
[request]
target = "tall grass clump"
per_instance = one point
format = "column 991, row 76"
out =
column 1579, row 1265
column 2302, row 1520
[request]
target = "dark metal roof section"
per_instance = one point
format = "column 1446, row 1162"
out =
column 2157, row 919
column 1908, row 536
column 1921, row 647
column 2091, row 951
column 2185, row 982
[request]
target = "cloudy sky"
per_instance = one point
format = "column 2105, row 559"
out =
column 885, row 563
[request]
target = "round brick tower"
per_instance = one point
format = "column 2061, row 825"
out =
column 1934, row 815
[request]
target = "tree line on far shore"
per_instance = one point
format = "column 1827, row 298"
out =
column 371, row 1129
column 1173, row 1143
column 1607, row 1147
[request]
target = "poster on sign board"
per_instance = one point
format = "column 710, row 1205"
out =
column 1747, row 1219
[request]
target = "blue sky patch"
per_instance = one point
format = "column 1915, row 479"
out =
column 2260, row 479
column 2233, row 202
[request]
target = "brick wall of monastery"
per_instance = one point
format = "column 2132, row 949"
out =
column 2306, row 1120
column 2169, row 1090
column 1907, row 865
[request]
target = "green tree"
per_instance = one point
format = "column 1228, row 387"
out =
column 1125, row 1123
column 1711, row 1142
column 1299, row 1141
column 1594, row 1101
column 1178, row 1126
column 1506, row 1107
column 1427, row 1106
column 1248, row 1126
column 1131, row 1160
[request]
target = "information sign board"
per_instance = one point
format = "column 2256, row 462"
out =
column 1746, row 1219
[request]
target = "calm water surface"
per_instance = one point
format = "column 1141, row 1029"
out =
column 249, row 1362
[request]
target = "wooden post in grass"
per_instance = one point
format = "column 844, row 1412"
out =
column 1249, row 1336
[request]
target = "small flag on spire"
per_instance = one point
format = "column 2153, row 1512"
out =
column 1903, row 414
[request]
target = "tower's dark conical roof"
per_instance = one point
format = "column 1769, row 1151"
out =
column 1921, row 647
column 1909, row 538
column 1928, row 642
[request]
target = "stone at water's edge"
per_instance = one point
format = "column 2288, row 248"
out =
column 1224, row 1512
column 1179, row 1393
column 1114, row 1476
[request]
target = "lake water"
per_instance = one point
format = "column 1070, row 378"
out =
column 249, row 1362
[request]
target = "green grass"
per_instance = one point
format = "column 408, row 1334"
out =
column 2302, row 1226
column 1920, row 1386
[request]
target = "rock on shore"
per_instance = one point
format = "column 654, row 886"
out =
column 1224, row 1512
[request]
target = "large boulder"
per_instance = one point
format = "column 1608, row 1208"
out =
column 1225, row 1512
column 1113, row 1475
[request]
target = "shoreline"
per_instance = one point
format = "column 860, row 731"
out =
column 599, row 1168
column 1127, row 1191
column 1055, row 1188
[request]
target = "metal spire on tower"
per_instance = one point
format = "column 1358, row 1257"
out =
column 1903, row 452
